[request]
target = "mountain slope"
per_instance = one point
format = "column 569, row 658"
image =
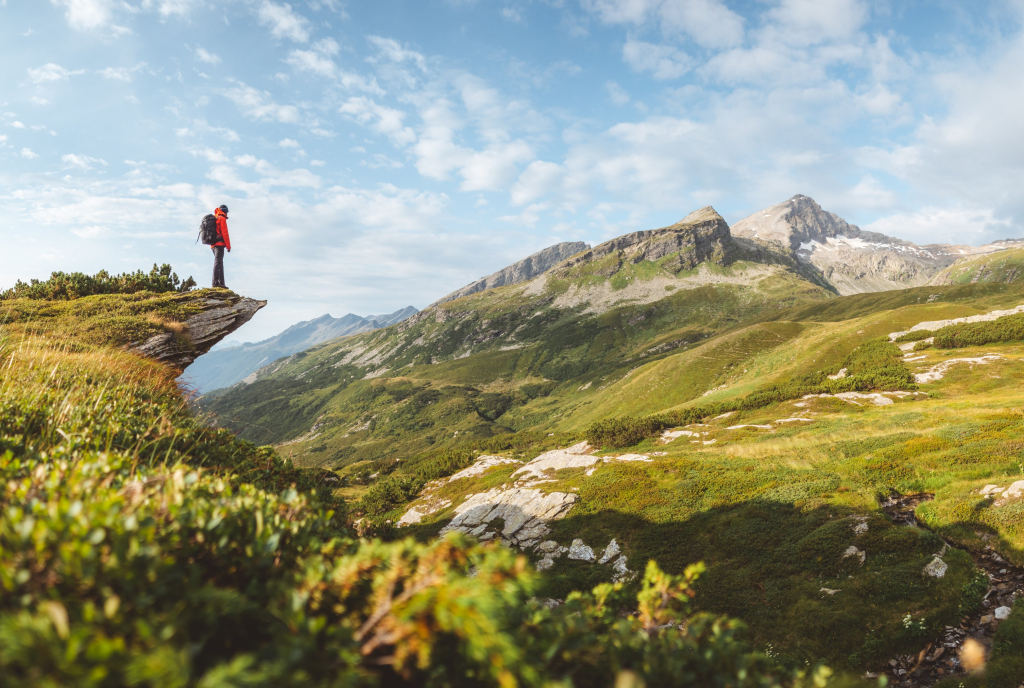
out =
column 227, row 366
column 485, row 364
column 521, row 271
column 1004, row 266
column 851, row 259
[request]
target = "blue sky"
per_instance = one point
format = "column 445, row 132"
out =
column 380, row 154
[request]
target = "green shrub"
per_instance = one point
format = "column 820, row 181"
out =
column 74, row 285
column 1006, row 666
column 1009, row 328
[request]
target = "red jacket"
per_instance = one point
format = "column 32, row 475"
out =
column 222, row 229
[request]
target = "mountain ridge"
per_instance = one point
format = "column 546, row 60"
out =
column 851, row 259
column 227, row 366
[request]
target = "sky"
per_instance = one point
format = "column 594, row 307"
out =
column 379, row 154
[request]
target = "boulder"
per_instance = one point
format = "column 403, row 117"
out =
column 610, row 552
column 936, row 568
column 580, row 551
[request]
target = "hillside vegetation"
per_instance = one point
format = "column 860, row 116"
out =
column 141, row 547
column 767, row 495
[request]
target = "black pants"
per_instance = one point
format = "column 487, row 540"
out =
column 218, row 266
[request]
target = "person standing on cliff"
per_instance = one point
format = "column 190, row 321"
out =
column 223, row 242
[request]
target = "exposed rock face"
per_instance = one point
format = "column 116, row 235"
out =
column 524, row 512
column 701, row 236
column 523, row 271
column 852, row 260
column 220, row 316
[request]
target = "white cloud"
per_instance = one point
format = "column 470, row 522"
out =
column 17, row 125
column 116, row 73
column 82, row 162
column 312, row 61
column 260, row 105
column 808, row 22
column 283, row 21
column 205, row 56
column 51, row 72
column 537, row 180
column 289, row 143
column 616, row 93
column 40, row 101
column 708, row 23
column 28, row 154
column 953, row 225
column 382, row 119
column 317, row 163
column 91, row 232
column 512, row 14
column 86, row 14
column 3, row 139
column 662, row 61
column 393, row 51
column 168, row 8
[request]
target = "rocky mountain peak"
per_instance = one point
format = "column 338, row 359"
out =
column 795, row 222
column 701, row 236
column 520, row 271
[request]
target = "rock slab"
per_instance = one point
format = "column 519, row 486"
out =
column 220, row 315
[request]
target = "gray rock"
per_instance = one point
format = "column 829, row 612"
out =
column 700, row 236
column 610, row 552
column 936, row 568
column 622, row 574
column 519, row 272
column 1002, row 613
column 219, row 316
column 852, row 551
column 850, row 259
column 580, row 551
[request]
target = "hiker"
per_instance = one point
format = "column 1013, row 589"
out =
column 214, row 233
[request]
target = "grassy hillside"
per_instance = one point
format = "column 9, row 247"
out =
column 768, row 496
column 141, row 547
column 1004, row 266
column 501, row 361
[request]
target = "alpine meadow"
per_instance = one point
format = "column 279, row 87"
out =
column 511, row 343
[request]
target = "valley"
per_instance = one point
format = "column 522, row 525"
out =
column 687, row 395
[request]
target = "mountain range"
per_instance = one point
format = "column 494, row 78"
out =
column 776, row 400
column 229, row 365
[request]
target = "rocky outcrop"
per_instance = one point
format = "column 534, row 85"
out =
column 701, row 236
column 851, row 260
column 523, row 271
column 218, row 316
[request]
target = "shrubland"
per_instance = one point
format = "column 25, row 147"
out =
column 141, row 547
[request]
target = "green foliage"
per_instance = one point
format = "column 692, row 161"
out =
column 1006, row 665
column 914, row 336
column 874, row 365
column 1009, row 328
column 74, row 285
column 140, row 548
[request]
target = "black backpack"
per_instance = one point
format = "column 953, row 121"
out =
column 208, row 231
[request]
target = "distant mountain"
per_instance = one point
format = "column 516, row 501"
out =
column 227, row 366
column 522, row 271
column 850, row 259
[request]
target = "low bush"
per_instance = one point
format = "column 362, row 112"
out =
column 914, row 336
column 1009, row 328
column 74, row 285
column 140, row 548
